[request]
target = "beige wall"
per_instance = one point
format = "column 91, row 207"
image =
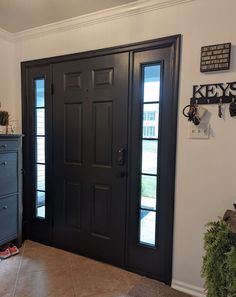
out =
column 8, row 79
column 206, row 169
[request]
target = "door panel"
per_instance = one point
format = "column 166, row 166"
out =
column 68, row 154
column 102, row 133
column 101, row 211
column 73, row 121
column 90, row 126
column 73, row 204
column 37, row 213
column 152, row 164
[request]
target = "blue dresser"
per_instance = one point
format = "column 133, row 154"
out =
column 10, row 188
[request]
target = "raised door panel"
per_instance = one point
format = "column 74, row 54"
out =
column 102, row 133
column 73, row 80
column 72, row 201
column 73, row 83
column 101, row 211
column 103, row 78
column 73, row 133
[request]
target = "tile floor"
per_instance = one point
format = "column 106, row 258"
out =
column 41, row 271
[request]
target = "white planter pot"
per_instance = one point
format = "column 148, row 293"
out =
column 3, row 129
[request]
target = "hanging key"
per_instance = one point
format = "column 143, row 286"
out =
column 220, row 113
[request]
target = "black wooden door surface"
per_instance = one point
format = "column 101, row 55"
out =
column 151, row 219
column 34, row 227
column 89, row 146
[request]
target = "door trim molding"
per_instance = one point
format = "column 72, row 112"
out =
column 173, row 40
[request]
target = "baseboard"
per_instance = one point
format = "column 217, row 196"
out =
column 189, row 289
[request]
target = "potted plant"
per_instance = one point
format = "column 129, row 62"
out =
column 219, row 262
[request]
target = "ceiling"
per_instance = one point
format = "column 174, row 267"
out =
column 19, row 15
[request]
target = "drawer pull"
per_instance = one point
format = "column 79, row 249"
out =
column 4, row 207
column 3, row 163
column 3, row 146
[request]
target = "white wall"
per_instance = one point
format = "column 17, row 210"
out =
column 8, row 78
column 206, row 169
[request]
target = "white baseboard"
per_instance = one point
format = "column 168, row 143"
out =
column 189, row 289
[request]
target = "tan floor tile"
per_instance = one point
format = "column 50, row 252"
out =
column 7, row 295
column 43, row 258
column 8, row 274
column 50, row 283
column 76, row 260
column 50, row 272
column 99, row 278
column 32, row 244
column 110, row 294
column 10, row 264
column 7, row 283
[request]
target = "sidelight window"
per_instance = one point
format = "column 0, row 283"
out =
column 40, row 164
column 149, row 164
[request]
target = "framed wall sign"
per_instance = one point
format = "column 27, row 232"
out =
column 215, row 57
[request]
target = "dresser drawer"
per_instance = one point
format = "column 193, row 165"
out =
column 8, row 216
column 8, row 145
column 8, row 173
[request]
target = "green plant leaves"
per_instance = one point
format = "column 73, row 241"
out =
column 231, row 271
column 219, row 262
column 4, row 118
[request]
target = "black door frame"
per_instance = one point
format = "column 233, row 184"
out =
column 173, row 42
column 141, row 257
column 42, row 71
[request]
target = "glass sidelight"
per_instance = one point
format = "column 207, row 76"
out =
column 149, row 165
column 40, row 164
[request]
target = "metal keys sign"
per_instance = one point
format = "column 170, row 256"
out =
column 214, row 93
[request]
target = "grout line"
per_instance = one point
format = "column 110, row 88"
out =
column 18, row 272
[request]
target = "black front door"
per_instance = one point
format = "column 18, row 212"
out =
column 99, row 153
column 89, row 156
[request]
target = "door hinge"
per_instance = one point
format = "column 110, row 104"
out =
column 52, row 89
